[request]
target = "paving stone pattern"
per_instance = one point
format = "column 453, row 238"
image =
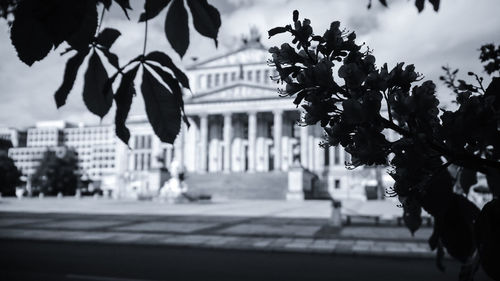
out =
column 299, row 235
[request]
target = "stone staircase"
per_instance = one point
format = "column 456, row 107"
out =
column 258, row 185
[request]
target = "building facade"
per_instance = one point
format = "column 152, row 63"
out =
column 16, row 137
column 239, row 123
column 97, row 148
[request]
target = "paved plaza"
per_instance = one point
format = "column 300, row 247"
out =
column 240, row 225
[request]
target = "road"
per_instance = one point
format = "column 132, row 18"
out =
column 52, row 261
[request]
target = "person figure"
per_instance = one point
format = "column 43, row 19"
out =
column 173, row 189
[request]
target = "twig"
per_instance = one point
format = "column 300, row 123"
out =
column 145, row 37
column 102, row 17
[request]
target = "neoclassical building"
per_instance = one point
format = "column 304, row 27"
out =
column 242, row 134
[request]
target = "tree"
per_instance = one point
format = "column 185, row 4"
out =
column 5, row 145
column 9, row 175
column 41, row 26
column 56, row 175
column 363, row 101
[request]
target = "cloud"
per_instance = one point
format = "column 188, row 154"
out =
column 398, row 33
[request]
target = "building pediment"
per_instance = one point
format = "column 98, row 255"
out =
column 242, row 56
column 235, row 92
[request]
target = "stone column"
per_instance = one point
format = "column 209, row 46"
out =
column 278, row 131
column 227, row 142
column 331, row 156
column 179, row 148
column 310, row 151
column 304, row 147
column 168, row 157
column 203, row 143
column 252, row 136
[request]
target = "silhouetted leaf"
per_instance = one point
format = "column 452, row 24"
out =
column 111, row 57
column 70, row 72
column 434, row 238
column 107, row 37
column 295, row 15
column 109, row 83
column 456, row 227
column 276, row 30
column 467, row 179
column 412, row 217
column 28, row 35
column 435, row 4
column 487, row 230
column 383, row 2
column 439, row 190
column 123, row 99
column 468, row 269
column 165, row 61
column 206, row 18
column 176, row 27
column 161, row 108
column 493, row 179
column 440, row 256
column 62, row 18
column 125, row 5
column 493, row 91
column 106, row 3
column 173, row 84
column 420, row 5
column 152, row 8
column 97, row 101
column 84, row 35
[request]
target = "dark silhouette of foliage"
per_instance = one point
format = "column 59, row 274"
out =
column 5, row 145
column 358, row 105
column 491, row 58
column 56, row 174
column 420, row 4
column 41, row 26
column 9, row 175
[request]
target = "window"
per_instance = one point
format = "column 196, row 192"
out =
column 198, row 81
column 136, row 141
column 337, row 184
column 136, row 162
column 233, row 76
column 249, row 75
column 141, row 161
column 148, row 141
column 266, row 76
column 224, row 78
column 217, row 79
column 148, row 161
column 257, row 76
column 209, row 81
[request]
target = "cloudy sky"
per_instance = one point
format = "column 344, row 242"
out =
column 398, row 33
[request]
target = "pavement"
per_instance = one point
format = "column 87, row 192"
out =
column 269, row 226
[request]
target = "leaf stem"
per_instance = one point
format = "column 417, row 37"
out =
column 102, row 17
column 145, row 36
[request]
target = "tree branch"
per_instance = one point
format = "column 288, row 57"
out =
column 461, row 159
